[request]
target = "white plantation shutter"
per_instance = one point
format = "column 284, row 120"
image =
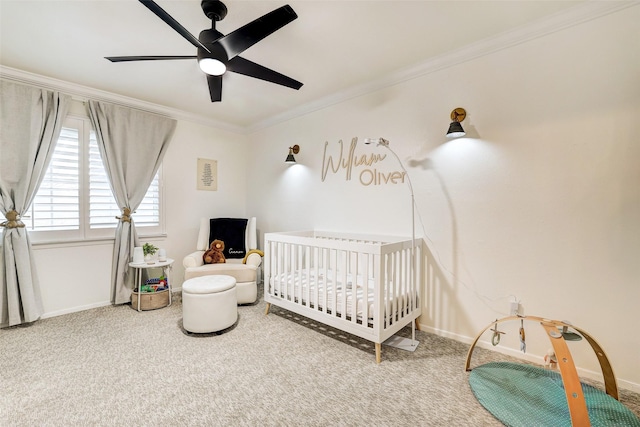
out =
column 56, row 205
column 64, row 208
column 103, row 208
column 148, row 213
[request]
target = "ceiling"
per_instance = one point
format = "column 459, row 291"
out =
column 332, row 47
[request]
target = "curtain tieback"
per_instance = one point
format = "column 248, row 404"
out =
column 13, row 220
column 126, row 215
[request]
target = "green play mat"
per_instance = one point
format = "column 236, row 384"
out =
column 525, row 395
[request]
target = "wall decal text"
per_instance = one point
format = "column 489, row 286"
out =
column 349, row 161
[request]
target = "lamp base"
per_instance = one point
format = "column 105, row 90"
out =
column 402, row 343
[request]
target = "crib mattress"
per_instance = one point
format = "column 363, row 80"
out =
column 318, row 289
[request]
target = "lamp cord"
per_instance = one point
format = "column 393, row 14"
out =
column 414, row 208
column 441, row 264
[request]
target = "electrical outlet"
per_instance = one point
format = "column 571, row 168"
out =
column 513, row 308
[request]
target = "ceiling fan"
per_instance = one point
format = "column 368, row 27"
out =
column 218, row 53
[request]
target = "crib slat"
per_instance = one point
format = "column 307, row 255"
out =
column 294, row 272
column 397, row 307
column 325, row 278
column 278, row 269
column 273, row 267
column 419, row 279
column 316, row 270
column 408, row 284
column 389, row 302
column 381, row 278
column 396, row 290
column 418, row 272
column 404, row 284
column 285, row 271
column 354, row 261
column 307, row 269
column 365, row 290
column 388, row 287
column 300, row 269
column 289, row 271
column 335, row 287
column 346, row 271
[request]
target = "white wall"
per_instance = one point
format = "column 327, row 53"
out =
column 185, row 204
column 77, row 276
column 540, row 201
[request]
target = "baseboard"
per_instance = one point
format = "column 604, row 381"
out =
column 532, row 358
column 70, row 310
column 74, row 309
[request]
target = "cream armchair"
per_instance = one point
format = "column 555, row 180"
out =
column 245, row 270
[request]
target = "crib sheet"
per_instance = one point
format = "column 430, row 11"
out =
column 297, row 285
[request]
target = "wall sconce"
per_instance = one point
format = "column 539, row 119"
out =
column 455, row 128
column 292, row 150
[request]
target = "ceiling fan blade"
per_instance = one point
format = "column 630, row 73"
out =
column 244, row 66
column 145, row 58
column 246, row 36
column 215, row 87
column 162, row 14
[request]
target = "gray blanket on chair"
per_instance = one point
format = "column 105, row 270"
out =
column 232, row 232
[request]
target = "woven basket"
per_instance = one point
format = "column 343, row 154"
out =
column 150, row 300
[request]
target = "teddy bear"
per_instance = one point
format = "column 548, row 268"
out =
column 214, row 254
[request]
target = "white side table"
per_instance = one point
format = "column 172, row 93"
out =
column 166, row 267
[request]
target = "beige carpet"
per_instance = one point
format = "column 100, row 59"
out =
column 113, row 366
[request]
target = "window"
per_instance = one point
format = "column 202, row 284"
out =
column 75, row 202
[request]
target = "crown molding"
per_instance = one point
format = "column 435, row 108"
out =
column 584, row 12
column 85, row 93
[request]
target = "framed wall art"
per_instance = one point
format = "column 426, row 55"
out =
column 207, row 175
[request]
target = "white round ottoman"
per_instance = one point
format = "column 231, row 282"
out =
column 209, row 303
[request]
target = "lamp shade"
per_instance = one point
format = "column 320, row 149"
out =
column 455, row 130
column 292, row 150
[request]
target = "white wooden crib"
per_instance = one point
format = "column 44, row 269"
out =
column 363, row 285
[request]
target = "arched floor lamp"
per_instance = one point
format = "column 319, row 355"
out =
column 393, row 341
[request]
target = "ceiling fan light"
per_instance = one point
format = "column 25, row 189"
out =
column 212, row 66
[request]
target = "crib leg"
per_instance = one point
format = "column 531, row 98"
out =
column 266, row 311
column 417, row 324
column 378, row 351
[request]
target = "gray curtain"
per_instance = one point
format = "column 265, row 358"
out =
column 132, row 144
column 30, row 124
